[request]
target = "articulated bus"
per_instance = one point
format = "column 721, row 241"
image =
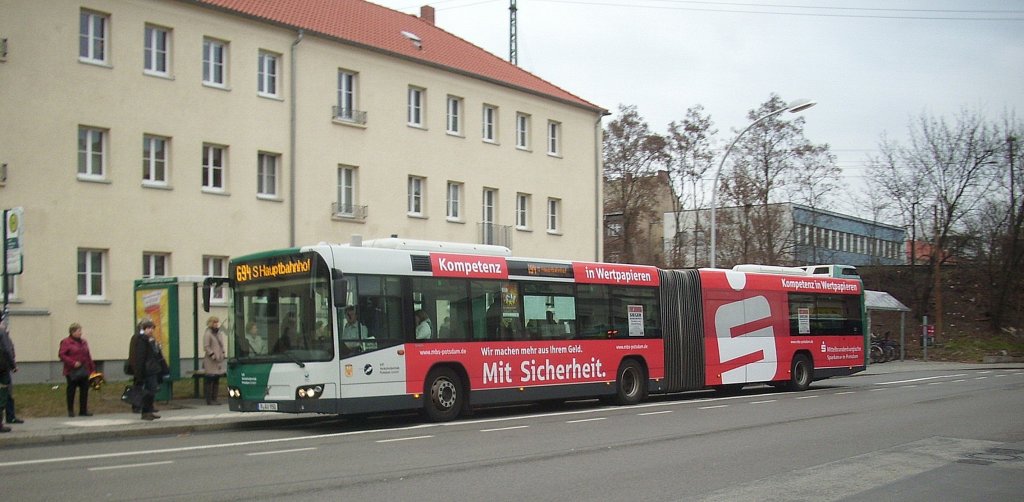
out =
column 440, row 327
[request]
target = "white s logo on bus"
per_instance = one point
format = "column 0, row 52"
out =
column 745, row 345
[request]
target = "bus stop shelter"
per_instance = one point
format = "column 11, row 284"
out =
column 161, row 299
column 882, row 301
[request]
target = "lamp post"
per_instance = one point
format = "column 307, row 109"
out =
column 796, row 106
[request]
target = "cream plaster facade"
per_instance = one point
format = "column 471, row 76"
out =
column 49, row 93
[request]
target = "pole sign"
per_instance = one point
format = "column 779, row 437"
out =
column 13, row 229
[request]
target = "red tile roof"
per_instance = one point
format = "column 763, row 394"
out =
column 371, row 25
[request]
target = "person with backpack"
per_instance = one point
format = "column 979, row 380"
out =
column 7, row 365
column 7, row 346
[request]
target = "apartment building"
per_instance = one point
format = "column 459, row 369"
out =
column 161, row 137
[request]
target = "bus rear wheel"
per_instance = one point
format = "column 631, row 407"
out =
column 444, row 395
column 801, row 374
column 631, row 383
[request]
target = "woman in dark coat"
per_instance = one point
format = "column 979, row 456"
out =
column 148, row 366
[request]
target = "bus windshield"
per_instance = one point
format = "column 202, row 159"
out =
column 281, row 309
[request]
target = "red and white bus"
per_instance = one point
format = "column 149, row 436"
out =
column 397, row 324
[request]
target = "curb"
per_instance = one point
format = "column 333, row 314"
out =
column 37, row 438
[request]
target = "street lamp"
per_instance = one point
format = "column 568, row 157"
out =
column 796, row 106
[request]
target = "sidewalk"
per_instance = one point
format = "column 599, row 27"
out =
column 181, row 417
column 194, row 415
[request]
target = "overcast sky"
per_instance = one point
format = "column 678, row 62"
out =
column 872, row 65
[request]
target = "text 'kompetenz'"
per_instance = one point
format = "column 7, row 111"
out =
column 469, row 267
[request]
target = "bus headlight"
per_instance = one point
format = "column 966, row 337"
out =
column 234, row 393
column 310, row 392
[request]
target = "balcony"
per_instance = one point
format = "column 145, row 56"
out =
column 348, row 115
column 349, row 211
column 498, row 235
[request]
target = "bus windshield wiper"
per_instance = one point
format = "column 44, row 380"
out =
column 294, row 359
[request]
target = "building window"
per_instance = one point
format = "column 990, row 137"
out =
column 216, row 266
column 155, row 264
column 490, row 122
column 91, row 278
column 416, row 188
column 215, row 56
column 92, row 36
column 346, row 190
column 347, row 95
column 214, row 167
column 92, row 158
column 154, row 160
column 454, row 203
column 267, row 69
column 522, row 211
column 416, row 104
column 157, row 50
column 614, row 229
column 454, row 122
column 488, row 216
column 522, row 131
column 554, row 138
column 553, row 215
column 266, row 174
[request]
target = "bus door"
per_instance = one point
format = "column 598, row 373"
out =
column 370, row 356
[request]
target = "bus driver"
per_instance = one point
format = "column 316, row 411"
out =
column 353, row 329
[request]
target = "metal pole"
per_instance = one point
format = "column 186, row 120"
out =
column 924, row 337
column 6, row 288
column 798, row 105
column 195, row 339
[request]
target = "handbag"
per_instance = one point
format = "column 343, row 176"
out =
column 132, row 395
column 78, row 374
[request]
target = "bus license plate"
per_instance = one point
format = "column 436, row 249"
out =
column 266, row 406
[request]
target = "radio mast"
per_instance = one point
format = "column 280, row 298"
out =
column 512, row 42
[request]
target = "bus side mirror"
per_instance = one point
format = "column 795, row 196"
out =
column 208, row 284
column 339, row 287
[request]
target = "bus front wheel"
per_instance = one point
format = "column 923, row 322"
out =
column 444, row 395
column 631, row 383
column 802, row 373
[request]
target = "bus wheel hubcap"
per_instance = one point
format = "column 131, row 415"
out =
column 444, row 394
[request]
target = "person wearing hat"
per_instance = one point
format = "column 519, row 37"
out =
column 78, row 369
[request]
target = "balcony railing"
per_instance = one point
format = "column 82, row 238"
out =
column 499, row 235
column 349, row 211
column 349, row 115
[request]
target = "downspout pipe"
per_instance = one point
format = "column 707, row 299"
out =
column 599, row 192
column 292, row 124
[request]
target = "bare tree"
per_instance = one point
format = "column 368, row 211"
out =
column 632, row 155
column 691, row 157
column 767, row 164
column 942, row 177
column 1001, row 248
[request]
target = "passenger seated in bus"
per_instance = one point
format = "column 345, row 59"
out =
column 423, row 329
column 445, row 330
column 494, row 320
column 286, row 342
column 254, row 344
